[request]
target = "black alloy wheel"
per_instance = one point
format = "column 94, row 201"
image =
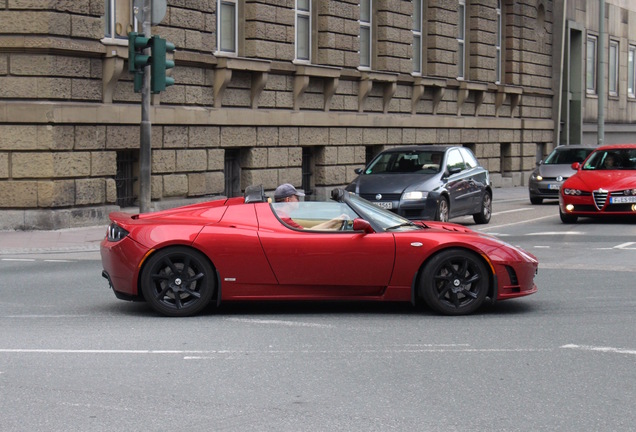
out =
column 454, row 282
column 178, row 282
column 485, row 211
column 442, row 210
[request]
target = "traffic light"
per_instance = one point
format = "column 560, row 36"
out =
column 137, row 60
column 159, row 65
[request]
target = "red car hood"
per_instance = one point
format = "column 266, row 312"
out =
column 613, row 180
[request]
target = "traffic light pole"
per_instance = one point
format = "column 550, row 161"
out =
column 145, row 155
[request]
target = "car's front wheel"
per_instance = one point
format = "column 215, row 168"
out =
column 442, row 212
column 536, row 200
column 454, row 282
column 567, row 218
column 178, row 282
column 485, row 211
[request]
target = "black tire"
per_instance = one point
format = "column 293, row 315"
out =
column 178, row 282
column 454, row 282
column 443, row 210
column 567, row 218
column 485, row 211
column 536, row 200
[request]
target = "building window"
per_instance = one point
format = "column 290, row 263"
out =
column 461, row 40
column 227, row 35
column 125, row 179
column 118, row 19
column 498, row 44
column 590, row 77
column 365, row 33
column 631, row 72
column 303, row 30
column 613, row 68
column 417, row 36
column 232, row 168
column 308, row 166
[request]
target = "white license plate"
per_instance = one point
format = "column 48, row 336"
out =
column 623, row 200
column 554, row 186
column 384, row 204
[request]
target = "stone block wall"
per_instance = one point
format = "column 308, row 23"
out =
column 68, row 110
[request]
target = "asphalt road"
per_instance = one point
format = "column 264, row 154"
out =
column 74, row 358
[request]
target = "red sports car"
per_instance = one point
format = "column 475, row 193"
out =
column 604, row 185
column 246, row 248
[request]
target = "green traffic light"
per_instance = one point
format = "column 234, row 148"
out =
column 159, row 64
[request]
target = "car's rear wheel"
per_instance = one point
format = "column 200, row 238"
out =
column 178, row 282
column 442, row 212
column 483, row 217
column 567, row 218
column 454, row 282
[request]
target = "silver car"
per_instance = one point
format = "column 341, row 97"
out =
column 550, row 173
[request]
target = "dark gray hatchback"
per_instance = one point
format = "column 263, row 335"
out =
column 427, row 182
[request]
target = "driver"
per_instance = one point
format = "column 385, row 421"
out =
column 287, row 193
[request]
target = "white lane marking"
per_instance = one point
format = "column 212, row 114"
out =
column 552, row 233
column 541, row 247
column 625, row 246
column 600, row 349
column 199, row 354
column 279, row 322
column 46, row 316
column 516, row 223
column 512, row 211
column 18, row 259
column 58, row 260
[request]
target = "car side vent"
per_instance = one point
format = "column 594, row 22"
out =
column 512, row 275
column 600, row 197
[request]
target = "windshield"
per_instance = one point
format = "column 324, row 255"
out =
column 381, row 217
column 410, row 161
column 613, row 159
column 561, row 156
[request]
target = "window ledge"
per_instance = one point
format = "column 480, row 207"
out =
column 223, row 75
column 304, row 72
column 479, row 89
column 421, row 84
column 511, row 92
column 386, row 79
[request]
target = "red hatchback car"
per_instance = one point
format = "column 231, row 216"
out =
column 604, row 185
column 248, row 249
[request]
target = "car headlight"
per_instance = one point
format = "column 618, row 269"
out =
column 572, row 192
column 537, row 177
column 115, row 233
column 414, row 195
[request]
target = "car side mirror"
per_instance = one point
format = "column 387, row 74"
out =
column 454, row 170
column 576, row 166
column 362, row 225
column 358, row 170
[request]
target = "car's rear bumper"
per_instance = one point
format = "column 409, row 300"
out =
column 120, row 262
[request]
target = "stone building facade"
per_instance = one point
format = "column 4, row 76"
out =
column 577, row 92
column 267, row 91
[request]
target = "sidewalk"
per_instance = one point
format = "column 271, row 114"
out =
column 86, row 240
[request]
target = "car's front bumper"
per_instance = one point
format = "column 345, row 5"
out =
column 545, row 189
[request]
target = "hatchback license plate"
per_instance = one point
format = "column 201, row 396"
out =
column 554, row 186
column 384, row 204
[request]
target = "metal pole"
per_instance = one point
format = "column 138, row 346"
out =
column 601, row 73
column 145, row 157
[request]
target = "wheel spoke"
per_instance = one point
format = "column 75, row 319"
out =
column 469, row 293
column 474, row 278
column 177, row 301
column 463, row 269
column 194, row 278
column 162, row 293
column 170, row 264
column 195, row 294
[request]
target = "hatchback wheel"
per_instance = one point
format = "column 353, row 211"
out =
column 178, row 282
column 454, row 282
column 483, row 217
column 442, row 210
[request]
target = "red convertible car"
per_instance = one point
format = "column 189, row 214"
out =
column 242, row 249
column 604, row 185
